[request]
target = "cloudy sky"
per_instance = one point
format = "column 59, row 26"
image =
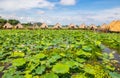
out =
column 62, row 11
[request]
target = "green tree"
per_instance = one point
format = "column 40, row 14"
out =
column 13, row 21
column 2, row 22
column 27, row 24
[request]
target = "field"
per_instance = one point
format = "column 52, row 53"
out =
column 59, row 54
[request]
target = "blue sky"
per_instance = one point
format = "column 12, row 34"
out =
column 62, row 11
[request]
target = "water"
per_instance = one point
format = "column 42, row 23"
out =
column 116, row 57
column 108, row 50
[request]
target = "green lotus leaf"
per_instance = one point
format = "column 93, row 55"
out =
column 98, row 43
column 37, row 76
column 60, row 68
column 50, row 75
column 7, row 75
column 33, row 59
column 17, row 54
column 56, row 56
column 102, row 47
column 31, row 66
column 79, row 76
column 18, row 62
column 62, row 54
column 18, row 76
column 110, row 67
column 28, row 76
column 63, row 45
column 87, row 48
column 114, row 75
column 52, row 60
column 70, row 63
column 40, row 69
column 105, row 55
column 89, row 69
column 81, row 52
column 40, row 56
column 111, row 55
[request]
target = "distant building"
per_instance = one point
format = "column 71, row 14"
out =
column 72, row 26
column 44, row 26
column 57, row 26
column 7, row 26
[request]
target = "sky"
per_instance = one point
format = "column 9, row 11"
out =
column 61, row 11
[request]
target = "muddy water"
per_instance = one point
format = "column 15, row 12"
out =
column 116, row 55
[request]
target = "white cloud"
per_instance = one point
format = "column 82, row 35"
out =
column 105, row 15
column 71, row 16
column 88, row 17
column 68, row 2
column 41, row 12
column 11, row 5
column 13, row 16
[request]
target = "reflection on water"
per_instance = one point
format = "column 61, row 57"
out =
column 108, row 50
column 116, row 57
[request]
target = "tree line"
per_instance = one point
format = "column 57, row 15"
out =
column 15, row 22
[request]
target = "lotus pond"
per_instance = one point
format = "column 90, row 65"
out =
column 59, row 54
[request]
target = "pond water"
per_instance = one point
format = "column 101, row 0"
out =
column 116, row 57
column 115, row 53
